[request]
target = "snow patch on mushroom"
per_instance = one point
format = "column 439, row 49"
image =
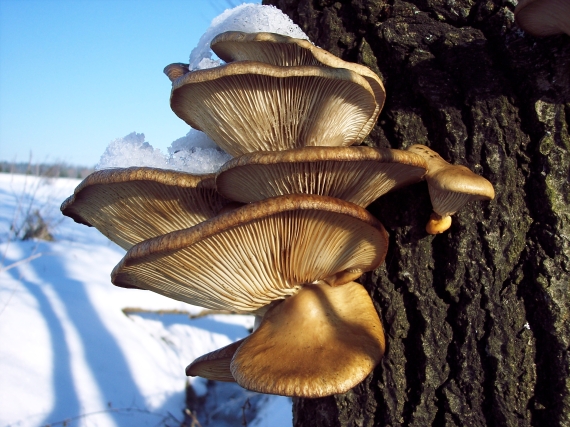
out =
column 193, row 153
column 249, row 18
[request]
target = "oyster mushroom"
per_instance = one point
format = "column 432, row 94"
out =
column 134, row 204
column 250, row 106
column 543, row 18
column 216, row 364
column 450, row 188
column 249, row 257
column 173, row 71
column 322, row 341
column 356, row 174
column 282, row 50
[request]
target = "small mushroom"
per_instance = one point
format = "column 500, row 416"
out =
column 134, row 204
column 173, row 71
column 216, row 364
column 322, row 341
column 251, row 256
column 356, row 174
column 282, row 50
column 450, row 187
column 250, row 106
column 543, row 18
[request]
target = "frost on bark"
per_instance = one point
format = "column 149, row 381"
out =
column 477, row 319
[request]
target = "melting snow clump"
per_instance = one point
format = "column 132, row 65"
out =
column 132, row 150
column 193, row 153
column 249, row 18
column 196, row 153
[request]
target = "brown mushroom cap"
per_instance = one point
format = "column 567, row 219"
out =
column 356, row 174
column 247, row 258
column 173, row 71
column 543, row 18
column 324, row 340
column 251, row 106
column 134, row 204
column 281, row 50
column 215, row 365
column 450, row 186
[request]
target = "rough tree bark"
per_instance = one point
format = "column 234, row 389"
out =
column 477, row 319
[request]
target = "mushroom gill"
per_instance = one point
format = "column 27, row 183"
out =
column 282, row 50
column 356, row 174
column 250, row 106
column 134, row 204
column 251, row 256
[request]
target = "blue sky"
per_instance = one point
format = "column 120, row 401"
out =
column 76, row 74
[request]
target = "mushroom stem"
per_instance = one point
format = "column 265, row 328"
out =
column 438, row 224
column 343, row 277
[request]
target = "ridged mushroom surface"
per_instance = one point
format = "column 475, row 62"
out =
column 134, row 204
column 356, row 174
column 245, row 259
column 251, row 106
column 282, row 50
column 543, row 18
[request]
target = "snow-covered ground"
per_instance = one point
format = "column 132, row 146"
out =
column 70, row 356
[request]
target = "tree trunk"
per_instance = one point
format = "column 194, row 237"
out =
column 477, row 319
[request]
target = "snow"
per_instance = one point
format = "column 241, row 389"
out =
column 69, row 355
column 249, row 18
column 193, row 153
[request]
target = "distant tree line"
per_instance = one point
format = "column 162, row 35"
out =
column 53, row 170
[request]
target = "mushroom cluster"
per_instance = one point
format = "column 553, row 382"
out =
column 280, row 231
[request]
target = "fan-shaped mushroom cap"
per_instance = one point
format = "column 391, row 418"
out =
column 173, row 71
column 281, row 50
column 356, row 174
column 543, row 17
column 134, row 204
column 247, row 258
column 450, row 187
column 322, row 341
column 215, row 365
column 250, row 106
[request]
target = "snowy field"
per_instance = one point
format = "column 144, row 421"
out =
column 69, row 355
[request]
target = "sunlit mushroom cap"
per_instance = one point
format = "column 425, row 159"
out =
column 246, row 258
column 322, row 341
column 251, row 106
column 451, row 186
column 543, row 17
column 215, row 365
column 173, row 71
column 281, row 50
column 356, row 174
column 134, row 204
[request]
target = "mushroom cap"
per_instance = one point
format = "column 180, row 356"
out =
column 356, row 174
column 215, row 365
column 543, row 18
column 282, row 50
column 246, row 258
column 251, row 106
column 451, row 186
column 324, row 340
column 173, row 71
column 134, row 204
